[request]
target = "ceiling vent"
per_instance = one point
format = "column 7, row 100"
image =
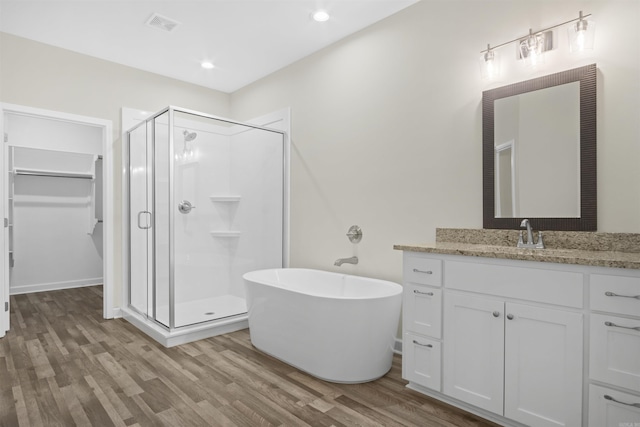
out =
column 162, row 22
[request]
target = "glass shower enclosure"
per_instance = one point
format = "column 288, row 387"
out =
column 206, row 203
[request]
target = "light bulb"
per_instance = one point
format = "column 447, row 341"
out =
column 320, row 16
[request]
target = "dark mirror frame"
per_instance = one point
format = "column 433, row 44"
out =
column 588, row 184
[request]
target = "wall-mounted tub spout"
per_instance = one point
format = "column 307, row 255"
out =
column 340, row 261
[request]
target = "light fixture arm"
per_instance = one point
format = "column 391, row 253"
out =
column 531, row 33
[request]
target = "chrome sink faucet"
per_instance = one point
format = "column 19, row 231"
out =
column 530, row 244
column 340, row 261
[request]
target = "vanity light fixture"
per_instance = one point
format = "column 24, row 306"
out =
column 532, row 46
column 581, row 35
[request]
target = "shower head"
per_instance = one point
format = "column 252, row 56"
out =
column 189, row 136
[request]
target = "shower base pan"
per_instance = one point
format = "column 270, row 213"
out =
column 206, row 309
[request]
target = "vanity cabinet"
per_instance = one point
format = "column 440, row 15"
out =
column 500, row 338
column 514, row 359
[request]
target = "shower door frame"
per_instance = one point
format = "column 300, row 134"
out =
column 127, row 214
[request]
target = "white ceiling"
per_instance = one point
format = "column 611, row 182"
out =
column 245, row 39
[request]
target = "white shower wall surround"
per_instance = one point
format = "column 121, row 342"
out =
column 234, row 178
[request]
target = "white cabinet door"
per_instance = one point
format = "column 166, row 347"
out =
column 474, row 351
column 421, row 358
column 543, row 366
column 422, row 308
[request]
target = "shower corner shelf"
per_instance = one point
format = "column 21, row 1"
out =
column 225, row 198
column 225, row 233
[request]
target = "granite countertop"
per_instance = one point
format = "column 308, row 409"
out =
column 620, row 253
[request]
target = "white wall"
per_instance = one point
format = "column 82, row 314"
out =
column 387, row 124
column 51, row 217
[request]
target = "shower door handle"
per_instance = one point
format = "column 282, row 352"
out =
column 140, row 226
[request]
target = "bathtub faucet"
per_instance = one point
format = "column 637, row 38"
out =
column 340, row 261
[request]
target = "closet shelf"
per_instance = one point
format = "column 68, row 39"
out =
column 54, row 174
column 225, row 233
column 227, row 198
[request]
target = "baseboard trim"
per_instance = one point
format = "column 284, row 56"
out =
column 117, row 313
column 54, row 286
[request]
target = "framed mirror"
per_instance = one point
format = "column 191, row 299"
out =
column 539, row 152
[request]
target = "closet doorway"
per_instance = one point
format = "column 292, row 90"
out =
column 56, row 194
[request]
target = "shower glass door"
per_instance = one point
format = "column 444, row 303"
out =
column 149, row 266
column 140, row 220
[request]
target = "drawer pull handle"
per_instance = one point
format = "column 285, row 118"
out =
column 415, row 270
column 415, row 291
column 422, row 345
column 606, row 396
column 613, row 325
column 611, row 294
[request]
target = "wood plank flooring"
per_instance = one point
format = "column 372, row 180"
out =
column 62, row 364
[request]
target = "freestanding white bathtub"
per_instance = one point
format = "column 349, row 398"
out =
column 336, row 327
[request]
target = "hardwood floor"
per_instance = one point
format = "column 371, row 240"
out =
column 62, row 364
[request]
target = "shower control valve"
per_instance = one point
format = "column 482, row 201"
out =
column 185, row 206
column 354, row 234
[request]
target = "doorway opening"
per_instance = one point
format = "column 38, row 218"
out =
column 56, row 194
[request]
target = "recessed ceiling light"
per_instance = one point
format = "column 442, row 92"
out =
column 207, row 65
column 320, row 16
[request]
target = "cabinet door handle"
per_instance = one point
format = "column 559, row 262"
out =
column 422, row 345
column 606, row 396
column 415, row 270
column 415, row 291
column 510, row 316
column 496, row 314
column 611, row 294
column 613, row 325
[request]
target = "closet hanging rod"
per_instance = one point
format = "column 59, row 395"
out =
column 52, row 174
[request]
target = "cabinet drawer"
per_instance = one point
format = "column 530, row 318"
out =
column 422, row 310
column 421, row 270
column 532, row 284
column 612, row 293
column 614, row 351
column 610, row 408
column 421, row 361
